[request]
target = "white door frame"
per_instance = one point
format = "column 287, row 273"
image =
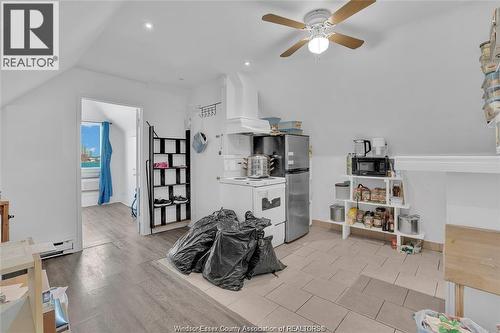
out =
column 141, row 228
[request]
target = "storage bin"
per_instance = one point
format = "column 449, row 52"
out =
column 342, row 190
column 485, row 49
column 292, row 131
column 491, row 110
column 491, row 80
column 337, row 213
column 290, row 124
column 492, row 93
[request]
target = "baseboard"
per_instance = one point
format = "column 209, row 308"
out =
column 125, row 203
column 374, row 235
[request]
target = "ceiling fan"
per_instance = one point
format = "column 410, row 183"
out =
column 320, row 23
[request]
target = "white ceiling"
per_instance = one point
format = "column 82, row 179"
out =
column 199, row 40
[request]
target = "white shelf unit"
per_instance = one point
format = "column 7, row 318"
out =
column 349, row 203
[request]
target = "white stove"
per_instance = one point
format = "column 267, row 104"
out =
column 264, row 197
column 254, row 182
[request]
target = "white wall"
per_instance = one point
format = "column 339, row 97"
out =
column 39, row 140
column 208, row 165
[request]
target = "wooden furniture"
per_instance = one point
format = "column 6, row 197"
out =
column 4, row 212
column 49, row 317
column 471, row 259
column 15, row 257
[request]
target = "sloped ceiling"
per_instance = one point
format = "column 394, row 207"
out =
column 121, row 116
column 81, row 22
column 194, row 41
column 415, row 81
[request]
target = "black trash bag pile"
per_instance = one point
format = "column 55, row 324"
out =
column 227, row 263
column 226, row 251
column 264, row 259
column 258, row 223
column 189, row 250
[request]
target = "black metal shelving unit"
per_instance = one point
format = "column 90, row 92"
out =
column 152, row 186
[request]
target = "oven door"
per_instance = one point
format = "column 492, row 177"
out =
column 269, row 202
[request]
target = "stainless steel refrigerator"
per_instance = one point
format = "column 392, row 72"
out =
column 291, row 156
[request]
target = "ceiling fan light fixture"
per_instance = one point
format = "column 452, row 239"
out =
column 318, row 44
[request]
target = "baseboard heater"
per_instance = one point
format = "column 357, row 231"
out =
column 61, row 248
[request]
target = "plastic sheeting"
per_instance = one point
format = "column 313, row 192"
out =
column 191, row 247
column 227, row 263
column 225, row 250
column 264, row 259
column 423, row 327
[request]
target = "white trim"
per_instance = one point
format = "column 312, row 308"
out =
column 142, row 227
column 79, row 233
column 471, row 164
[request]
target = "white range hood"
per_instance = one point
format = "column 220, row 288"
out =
column 242, row 106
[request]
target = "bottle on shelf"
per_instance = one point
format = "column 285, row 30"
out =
column 385, row 222
column 391, row 223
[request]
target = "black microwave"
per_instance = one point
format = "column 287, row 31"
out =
column 370, row 166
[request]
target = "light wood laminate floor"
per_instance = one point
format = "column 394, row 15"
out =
column 114, row 286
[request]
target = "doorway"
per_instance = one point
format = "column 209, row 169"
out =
column 109, row 172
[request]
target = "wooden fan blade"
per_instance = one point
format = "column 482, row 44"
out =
column 283, row 21
column 349, row 9
column 294, row 48
column 350, row 42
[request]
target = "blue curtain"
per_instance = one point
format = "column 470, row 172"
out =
column 105, row 184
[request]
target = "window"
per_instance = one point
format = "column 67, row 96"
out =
column 91, row 145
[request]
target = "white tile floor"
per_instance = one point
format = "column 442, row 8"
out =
column 346, row 285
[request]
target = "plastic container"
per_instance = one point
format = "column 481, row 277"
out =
column 292, row 131
column 491, row 110
column 272, row 120
column 485, row 48
column 491, row 79
column 290, row 124
column 492, row 93
column 342, row 190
